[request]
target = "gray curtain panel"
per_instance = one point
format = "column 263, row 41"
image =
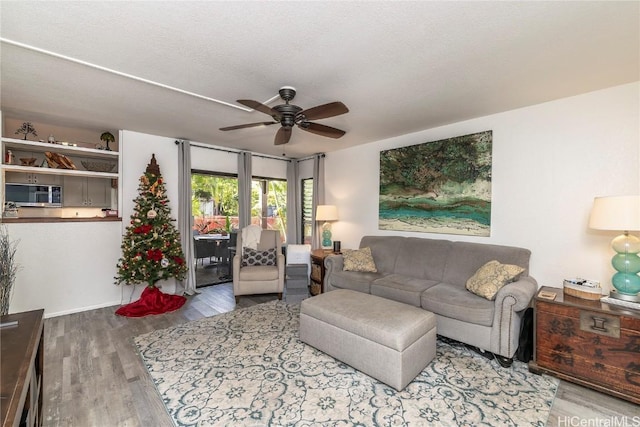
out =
column 294, row 203
column 185, row 217
column 318, row 198
column 244, row 189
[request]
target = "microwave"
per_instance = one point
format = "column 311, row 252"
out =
column 34, row 195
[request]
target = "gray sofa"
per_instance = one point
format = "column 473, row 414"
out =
column 432, row 274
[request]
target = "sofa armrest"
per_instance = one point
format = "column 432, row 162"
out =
column 332, row 264
column 511, row 301
column 517, row 295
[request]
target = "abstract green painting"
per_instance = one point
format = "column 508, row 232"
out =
column 438, row 187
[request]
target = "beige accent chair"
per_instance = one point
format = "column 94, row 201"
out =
column 259, row 279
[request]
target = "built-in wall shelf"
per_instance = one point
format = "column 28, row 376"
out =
column 41, row 147
column 34, row 148
column 52, row 171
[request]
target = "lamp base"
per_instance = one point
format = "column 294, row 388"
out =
column 630, row 298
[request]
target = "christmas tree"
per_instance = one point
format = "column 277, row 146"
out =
column 151, row 249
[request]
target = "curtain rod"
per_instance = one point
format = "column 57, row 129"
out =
column 230, row 150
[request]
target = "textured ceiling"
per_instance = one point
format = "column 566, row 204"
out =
column 400, row 67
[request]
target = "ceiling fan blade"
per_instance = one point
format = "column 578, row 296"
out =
column 249, row 125
column 324, row 111
column 323, row 130
column 258, row 107
column 283, row 136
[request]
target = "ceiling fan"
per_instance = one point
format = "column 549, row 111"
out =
column 288, row 115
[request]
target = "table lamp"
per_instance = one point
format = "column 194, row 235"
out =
column 621, row 213
column 326, row 213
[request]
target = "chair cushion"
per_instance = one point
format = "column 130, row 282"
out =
column 259, row 273
column 359, row 260
column 491, row 277
column 252, row 257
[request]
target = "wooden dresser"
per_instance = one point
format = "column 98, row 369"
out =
column 22, row 369
column 591, row 343
column 316, row 284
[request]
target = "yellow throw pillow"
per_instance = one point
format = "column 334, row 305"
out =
column 359, row 260
column 491, row 277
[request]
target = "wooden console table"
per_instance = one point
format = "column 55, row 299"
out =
column 591, row 343
column 22, row 368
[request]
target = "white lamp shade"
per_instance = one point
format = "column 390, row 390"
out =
column 326, row 213
column 621, row 213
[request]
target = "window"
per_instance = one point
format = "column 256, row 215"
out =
column 214, row 202
column 307, row 210
column 269, row 204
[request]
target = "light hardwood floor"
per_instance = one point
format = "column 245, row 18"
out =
column 94, row 376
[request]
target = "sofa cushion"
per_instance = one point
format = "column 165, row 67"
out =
column 353, row 280
column 422, row 258
column 255, row 257
column 359, row 260
column 384, row 250
column 465, row 258
column 401, row 288
column 456, row 302
column 491, row 277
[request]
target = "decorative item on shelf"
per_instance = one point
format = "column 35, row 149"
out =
column 107, row 137
column 326, row 213
column 58, row 161
column 621, row 213
column 8, row 157
column 581, row 288
column 10, row 210
column 28, row 161
column 51, row 139
column 26, row 129
column 97, row 166
column 109, row 212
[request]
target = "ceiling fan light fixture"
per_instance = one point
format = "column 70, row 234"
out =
column 288, row 115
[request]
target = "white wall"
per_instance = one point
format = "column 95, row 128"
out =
column 549, row 162
column 65, row 267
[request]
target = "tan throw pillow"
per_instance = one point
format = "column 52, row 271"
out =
column 491, row 277
column 359, row 260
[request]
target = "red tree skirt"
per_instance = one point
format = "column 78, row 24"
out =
column 152, row 301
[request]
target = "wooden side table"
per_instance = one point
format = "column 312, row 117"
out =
column 22, row 368
column 591, row 343
column 316, row 285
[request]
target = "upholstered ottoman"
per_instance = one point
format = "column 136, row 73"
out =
column 388, row 340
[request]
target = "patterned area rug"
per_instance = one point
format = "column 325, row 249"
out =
column 248, row 368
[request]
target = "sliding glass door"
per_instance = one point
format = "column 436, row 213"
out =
column 215, row 202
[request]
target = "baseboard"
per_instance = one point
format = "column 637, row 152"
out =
column 81, row 309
